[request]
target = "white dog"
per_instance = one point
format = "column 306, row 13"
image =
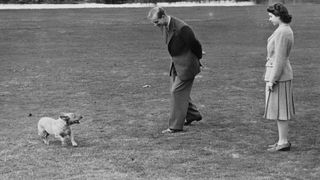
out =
column 60, row 127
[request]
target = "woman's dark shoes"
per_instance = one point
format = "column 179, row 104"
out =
column 272, row 145
column 188, row 122
column 282, row 147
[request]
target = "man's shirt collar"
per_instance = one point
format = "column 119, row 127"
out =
column 169, row 20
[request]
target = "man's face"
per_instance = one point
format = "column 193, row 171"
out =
column 158, row 21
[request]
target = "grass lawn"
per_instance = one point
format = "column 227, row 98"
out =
column 96, row 62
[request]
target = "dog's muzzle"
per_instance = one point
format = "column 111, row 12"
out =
column 78, row 121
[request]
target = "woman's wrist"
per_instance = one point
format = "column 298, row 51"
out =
column 269, row 83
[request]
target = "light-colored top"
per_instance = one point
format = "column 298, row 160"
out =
column 279, row 46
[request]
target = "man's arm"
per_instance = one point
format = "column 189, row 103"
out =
column 191, row 41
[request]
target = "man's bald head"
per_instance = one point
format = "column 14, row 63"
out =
column 156, row 13
column 158, row 17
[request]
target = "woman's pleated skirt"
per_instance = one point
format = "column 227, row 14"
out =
column 279, row 102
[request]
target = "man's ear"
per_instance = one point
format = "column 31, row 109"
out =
column 65, row 118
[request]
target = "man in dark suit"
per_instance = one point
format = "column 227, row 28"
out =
column 186, row 51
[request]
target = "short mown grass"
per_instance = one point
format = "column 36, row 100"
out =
column 97, row 61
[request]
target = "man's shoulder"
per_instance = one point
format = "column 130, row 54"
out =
column 178, row 22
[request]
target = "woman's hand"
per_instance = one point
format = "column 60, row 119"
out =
column 270, row 86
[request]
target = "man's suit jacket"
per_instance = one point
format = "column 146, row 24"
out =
column 184, row 48
column 278, row 66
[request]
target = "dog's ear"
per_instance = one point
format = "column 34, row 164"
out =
column 65, row 118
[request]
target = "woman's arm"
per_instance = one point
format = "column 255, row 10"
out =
column 282, row 45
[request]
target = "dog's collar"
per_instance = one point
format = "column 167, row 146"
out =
column 68, row 123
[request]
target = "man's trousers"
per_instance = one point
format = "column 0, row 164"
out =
column 182, row 107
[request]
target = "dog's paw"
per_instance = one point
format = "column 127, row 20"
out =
column 45, row 142
column 74, row 144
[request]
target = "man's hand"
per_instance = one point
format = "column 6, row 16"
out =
column 270, row 86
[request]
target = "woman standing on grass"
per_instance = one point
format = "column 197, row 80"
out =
column 279, row 96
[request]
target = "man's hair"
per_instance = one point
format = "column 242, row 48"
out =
column 159, row 11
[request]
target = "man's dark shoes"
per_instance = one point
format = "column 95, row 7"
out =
column 188, row 122
column 170, row 131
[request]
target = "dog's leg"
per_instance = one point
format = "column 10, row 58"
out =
column 62, row 139
column 46, row 141
column 73, row 142
column 44, row 135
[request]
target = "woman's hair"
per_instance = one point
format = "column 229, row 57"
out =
column 281, row 11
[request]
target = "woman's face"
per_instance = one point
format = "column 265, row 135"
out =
column 275, row 20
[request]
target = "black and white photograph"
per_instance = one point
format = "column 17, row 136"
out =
column 159, row 89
